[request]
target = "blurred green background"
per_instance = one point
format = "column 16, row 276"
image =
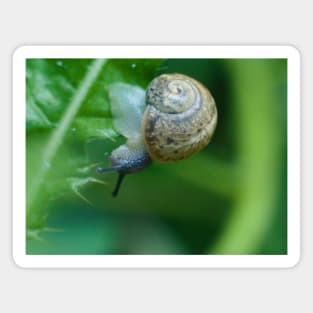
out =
column 231, row 198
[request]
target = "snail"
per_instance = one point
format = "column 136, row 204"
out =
column 172, row 120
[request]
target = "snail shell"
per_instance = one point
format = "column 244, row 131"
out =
column 180, row 118
column 173, row 119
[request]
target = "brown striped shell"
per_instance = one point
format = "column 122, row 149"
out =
column 180, row 117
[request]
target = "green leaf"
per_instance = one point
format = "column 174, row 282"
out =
column 67, row 106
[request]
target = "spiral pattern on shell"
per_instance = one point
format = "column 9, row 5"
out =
column 180, row 118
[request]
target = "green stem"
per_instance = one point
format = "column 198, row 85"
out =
column 258, row 156
column 60, row 131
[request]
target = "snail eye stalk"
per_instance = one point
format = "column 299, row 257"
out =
column 118, row 184
column 120, row 178
column 109, row 169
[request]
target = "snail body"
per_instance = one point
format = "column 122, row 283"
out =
column 172, row 120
